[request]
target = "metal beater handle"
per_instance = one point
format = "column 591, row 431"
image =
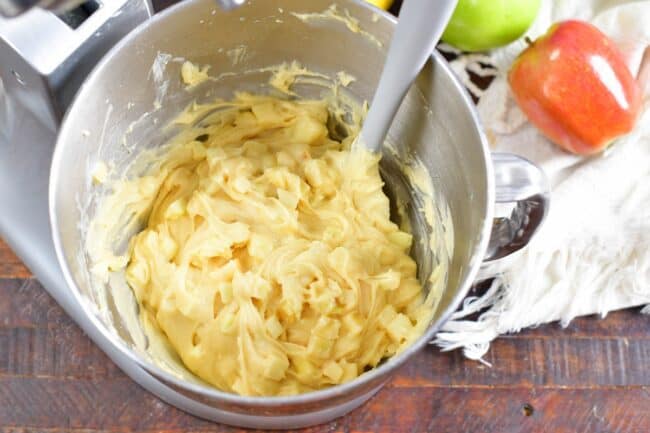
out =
column 420, row 26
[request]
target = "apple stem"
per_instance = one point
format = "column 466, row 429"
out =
column 529, row 41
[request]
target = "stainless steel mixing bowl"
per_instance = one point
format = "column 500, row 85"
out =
column 114, row 116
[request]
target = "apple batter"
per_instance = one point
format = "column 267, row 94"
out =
column 268, row 258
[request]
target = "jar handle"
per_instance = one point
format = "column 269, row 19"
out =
column 522, row 201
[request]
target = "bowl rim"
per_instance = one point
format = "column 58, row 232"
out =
column 369, row 379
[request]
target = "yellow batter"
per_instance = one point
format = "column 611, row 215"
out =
column 268, row 258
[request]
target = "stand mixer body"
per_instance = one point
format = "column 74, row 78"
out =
column 12, row 8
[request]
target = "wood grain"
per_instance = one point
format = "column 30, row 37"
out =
column 591, row 376
column 53, row 379
column 23, row 302
column 41, row 341
column 63, row 351
column 10, row 265
column 117, row 406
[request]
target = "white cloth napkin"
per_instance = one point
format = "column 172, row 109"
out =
column 593, row 253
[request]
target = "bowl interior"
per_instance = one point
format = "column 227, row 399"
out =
column 136, row 90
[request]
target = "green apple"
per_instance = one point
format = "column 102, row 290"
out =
column 479, row 25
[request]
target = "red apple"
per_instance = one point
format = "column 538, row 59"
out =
column 574, row 85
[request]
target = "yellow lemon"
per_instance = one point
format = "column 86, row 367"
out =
column 384, row 4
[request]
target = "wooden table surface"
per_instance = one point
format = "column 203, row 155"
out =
column 591, row 377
